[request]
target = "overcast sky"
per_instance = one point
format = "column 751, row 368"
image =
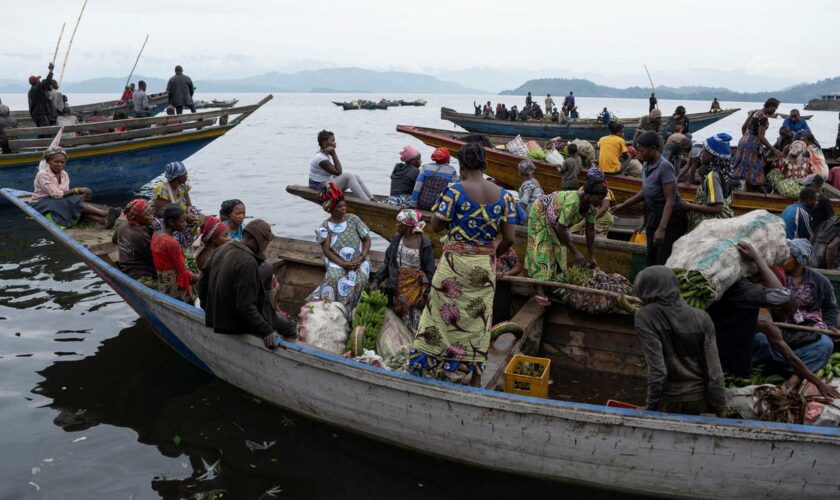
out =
column 227, row 39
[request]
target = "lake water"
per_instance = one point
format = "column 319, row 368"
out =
column 93, row 405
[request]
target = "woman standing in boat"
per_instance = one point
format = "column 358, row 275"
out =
column 53, row 198
column 345, row 241
column 326, row 168
column 176, row 190
column 749, row 160
column 174, row 279
column 453, row 336
column 549, row 236
column 408, row 269
column 714, row 194
column 232, row 214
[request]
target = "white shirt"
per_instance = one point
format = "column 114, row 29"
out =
column 316, row 173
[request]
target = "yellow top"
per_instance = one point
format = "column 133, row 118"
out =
column 611, row 147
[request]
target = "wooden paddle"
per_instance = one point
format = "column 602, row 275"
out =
column 554, row 284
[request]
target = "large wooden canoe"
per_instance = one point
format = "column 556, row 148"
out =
column 106, row 108
column 622, row 449
column 582, row 128
column 119, row 162
column 502, row 166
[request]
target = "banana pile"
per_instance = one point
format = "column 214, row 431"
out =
column 758, row 378
column 370, row 313
column 831, row 368
column 694, row 288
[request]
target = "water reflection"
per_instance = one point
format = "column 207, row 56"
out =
column 229, row 441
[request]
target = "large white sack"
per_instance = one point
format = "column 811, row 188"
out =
column 324, row 325
column 710, row 248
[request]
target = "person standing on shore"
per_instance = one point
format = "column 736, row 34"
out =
column 180, row 89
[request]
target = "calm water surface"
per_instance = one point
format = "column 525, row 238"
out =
column 93, row 405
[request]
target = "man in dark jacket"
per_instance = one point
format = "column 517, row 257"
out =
column 40, row 106
column 180, row 89
column 232, row 291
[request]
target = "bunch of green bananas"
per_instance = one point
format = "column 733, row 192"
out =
column 758, row 378
column 831, row 368
column 370, row 313
column 694, row 288
column 575, row 275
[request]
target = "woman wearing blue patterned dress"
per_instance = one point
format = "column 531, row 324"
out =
column 345, row 241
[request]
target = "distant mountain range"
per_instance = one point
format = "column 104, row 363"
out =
column 337, row 80
column 799, row 93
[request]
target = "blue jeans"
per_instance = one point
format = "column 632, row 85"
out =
column 813, row 355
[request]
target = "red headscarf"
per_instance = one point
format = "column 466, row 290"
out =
column 211, row 228
column 441, row 155
column 330, row 196
column 135, row 209
column 632, row 151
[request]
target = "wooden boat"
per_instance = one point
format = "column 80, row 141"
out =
column 158, row 102
column 605, row 447
column 502, row 166
column 828, row 102
column 216, row 103
column 581, row 128
column 416, row 102
column 119, row 162
column 785, row 116
column 613, row 256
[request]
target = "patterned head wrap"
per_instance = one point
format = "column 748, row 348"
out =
column 52, row 152
column 330, row 196
column 174, row 170
column 718, row 145
column 211, row 228
column 441, row 155
column 412, row 219
column 135, row 209
column 408, row 153
column 596, row 182
column 526, row 167
column 800, row 250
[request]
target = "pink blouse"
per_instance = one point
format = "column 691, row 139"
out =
column 48, row 186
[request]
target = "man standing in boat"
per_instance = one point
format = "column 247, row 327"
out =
column 40, row 107
column 180, row 89
column 141, row 101
column 569, row 104
column 549, row 103
column 653, row 102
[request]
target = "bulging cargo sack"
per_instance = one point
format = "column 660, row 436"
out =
column 324, row 325
column 710, row 250
column 517, row 146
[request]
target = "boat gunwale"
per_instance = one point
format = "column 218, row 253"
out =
column 494, row 400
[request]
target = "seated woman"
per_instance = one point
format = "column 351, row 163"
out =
column 530, row 189
column 432, row 180
column 232, row 214
column 134, row 241
column 453, row 335
column 403, row 177
column 714, row 195
column 816, row 158
column 345, row 241
column 53, row 198
column 213, row 235
column 548, row 232
column 326, row 168
column 176, row 190
column 174, row 279
column 408, row 268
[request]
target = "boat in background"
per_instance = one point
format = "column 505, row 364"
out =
column 416, row 102
column 503, row 166
column 630, row 450
column 216, row 103
column 114, row 163
column 581, row 128
column 158, row 103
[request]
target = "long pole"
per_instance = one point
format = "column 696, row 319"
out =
column 70, row 45
column 136, row 61
column 60, row 35
column 652, row 87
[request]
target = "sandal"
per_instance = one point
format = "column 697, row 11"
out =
column 111, row 219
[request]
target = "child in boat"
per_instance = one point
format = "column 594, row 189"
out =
column 570, row 169
column 530, row 189
column 684, row 373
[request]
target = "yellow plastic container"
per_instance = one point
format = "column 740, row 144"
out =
column 528, row 376
column 639, row 238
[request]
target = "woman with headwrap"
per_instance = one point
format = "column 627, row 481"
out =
column 454, row 331
column 403, row 177
column 665, row 220
column 748, row 163
column 408, row 269
column 714, row 194
column 232, row 214
column 817, row 303
column 816, row 158
column 53, row 198
column 433, row 179
column 604, row 220
column 214, row 234
column 549, row 236
column 134, row 242
column 530, row 189
column 345, row 241
column 175, row 190
column 174, row 279
column 684, row 373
